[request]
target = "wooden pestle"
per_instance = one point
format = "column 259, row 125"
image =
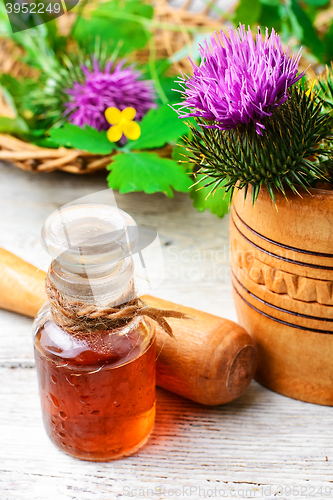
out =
column 21, row 285
column 210, row 360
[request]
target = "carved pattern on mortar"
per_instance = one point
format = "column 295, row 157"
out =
column 277, row 281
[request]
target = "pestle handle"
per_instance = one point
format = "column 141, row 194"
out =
column 21, row 285
column 210, row 360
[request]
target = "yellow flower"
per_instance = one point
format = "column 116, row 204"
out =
column 122, row 123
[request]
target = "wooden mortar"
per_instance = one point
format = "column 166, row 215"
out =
column 282, row 263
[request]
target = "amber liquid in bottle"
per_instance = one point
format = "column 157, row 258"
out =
column 97, row 390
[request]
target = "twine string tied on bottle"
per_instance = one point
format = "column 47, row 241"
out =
column 75, row 315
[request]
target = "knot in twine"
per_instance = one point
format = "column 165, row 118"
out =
column 74, row 315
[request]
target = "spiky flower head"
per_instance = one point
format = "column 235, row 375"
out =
column 239, row 79
column 256, row 126
column 289, row 153
column 117, row 86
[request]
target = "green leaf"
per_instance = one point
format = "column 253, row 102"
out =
column 56, row 41
column 5, row 28
column 316, row 3
column 15, row 126
column 168, row 84
column 87, row 30
column 17, row 95
column 135, row 10
column 17, row 88
column 247, row 12
column 272, row 3
column 217, row 203
column 158, row 127
column 146, row 172
column 311, row 12
column 270, row 17
column 304, row 30
column 118, row 24
column 43, row 142
column 87, row 139
column 8, row 98
column 328, row 41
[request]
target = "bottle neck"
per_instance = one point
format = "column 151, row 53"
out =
column 91, row 245
column 106, row 285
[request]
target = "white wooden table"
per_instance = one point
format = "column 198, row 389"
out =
column 262, row 445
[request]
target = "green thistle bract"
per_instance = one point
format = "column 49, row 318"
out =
column 324, row 87
column 287, row 154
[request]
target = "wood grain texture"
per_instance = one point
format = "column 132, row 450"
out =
column 22, row 285
column 282, row 265
column 261, row 440
column 256, row 441
column 210, row 360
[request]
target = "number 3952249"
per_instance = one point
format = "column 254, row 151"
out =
column 33, row 8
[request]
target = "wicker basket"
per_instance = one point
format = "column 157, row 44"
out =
column 36, row 159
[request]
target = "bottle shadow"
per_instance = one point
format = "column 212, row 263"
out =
column 179, row 420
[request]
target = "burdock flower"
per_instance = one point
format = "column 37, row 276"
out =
column 116, row 86
column 239, row 79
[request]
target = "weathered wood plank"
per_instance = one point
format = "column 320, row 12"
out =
column 262, row 439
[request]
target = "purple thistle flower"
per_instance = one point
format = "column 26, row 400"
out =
column 115, row 86
column 239, row 80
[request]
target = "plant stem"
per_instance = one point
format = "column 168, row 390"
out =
column 153, row 71
column 82, row 5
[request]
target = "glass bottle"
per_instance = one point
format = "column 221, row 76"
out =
column 97, row 386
